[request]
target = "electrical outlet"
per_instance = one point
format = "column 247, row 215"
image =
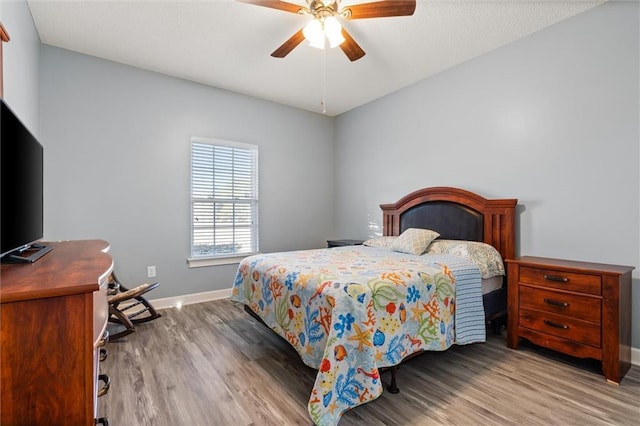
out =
column 151, row 271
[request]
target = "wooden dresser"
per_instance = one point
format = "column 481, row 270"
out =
column 53, row 321
column 578, row 308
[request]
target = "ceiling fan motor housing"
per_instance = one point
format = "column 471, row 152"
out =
column 321, row 9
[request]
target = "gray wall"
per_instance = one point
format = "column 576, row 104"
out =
column 551, row 119
column 20, row 63
column 117, row 158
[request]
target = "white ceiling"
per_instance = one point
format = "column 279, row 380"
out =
column 227, row 44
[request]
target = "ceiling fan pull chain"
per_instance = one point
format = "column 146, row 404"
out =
column 323, row 66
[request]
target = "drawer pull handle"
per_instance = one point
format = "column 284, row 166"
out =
column 556, row 303
column 104, row 339
column 102, row 421
column 556, row 325
column 107, row 382
column 556, row 278
column 103, row 354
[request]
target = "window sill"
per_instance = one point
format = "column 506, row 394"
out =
column 199, row 262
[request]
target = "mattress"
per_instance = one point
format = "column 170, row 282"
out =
column 492, row 284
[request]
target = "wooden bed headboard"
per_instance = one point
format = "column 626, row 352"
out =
column 457, row 215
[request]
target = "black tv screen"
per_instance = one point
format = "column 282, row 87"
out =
column 21, row 174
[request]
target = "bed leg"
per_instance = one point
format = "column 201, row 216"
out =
column 497, row 325
column 393, row 388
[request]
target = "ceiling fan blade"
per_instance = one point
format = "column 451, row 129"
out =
column 381, row 9
column 288, row 45
column 275, row 4
column 350, row 47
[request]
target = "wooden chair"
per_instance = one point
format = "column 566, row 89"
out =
column 128, row 307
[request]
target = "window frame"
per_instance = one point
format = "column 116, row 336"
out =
column 231, row 258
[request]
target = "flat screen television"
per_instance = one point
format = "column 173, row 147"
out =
column 21, row 191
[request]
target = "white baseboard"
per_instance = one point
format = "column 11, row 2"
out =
column 187, row 299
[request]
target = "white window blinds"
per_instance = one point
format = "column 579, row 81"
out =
column 224, row 198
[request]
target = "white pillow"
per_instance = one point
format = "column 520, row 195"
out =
column 383, row 242
column 483, row 255
column 414, row 241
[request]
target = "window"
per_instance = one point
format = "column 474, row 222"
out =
column 224, row 198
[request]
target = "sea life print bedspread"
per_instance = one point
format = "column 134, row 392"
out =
column 350, row 310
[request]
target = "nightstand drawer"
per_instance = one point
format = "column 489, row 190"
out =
column 584, row 332
column 587, row 308
column 569, row 281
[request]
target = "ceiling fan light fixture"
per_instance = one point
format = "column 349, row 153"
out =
column 314, row 33
column 319, row 29
column 333, row 31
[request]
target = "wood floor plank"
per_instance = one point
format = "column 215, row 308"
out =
column 212, row 364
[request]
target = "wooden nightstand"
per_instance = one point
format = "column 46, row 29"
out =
column 340, row 243
column 578, row 308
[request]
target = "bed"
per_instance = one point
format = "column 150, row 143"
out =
column 351, row 312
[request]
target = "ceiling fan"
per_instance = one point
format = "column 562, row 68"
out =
column 325, row 25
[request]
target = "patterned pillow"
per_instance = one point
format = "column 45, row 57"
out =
column 383, row 242
column 483, row 255
column 414, row 241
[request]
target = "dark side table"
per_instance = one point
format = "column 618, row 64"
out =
column 341, row 243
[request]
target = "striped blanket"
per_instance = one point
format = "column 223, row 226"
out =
column 349, row 311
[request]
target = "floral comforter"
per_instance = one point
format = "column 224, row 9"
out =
column 350, row 310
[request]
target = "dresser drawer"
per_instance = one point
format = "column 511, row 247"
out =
column 584, row 332
column 586, row 308
column 570, row 281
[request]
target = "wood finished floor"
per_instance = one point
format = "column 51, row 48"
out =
column 212, row 364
